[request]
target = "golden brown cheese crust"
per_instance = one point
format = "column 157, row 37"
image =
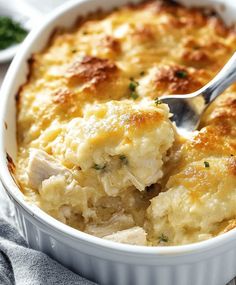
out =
column 175, row 80
column 90, row 69
column 160, row 47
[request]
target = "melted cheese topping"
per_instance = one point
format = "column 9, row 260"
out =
column 100, row 154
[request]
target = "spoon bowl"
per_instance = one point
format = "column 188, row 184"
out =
column 185, row 112
column 188, row 109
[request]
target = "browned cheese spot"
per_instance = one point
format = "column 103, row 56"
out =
column 90, row 69
column 10, row 163
column 175, row 79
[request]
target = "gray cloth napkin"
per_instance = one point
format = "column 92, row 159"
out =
column 20, row 265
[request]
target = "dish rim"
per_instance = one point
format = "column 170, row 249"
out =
column 71, row 233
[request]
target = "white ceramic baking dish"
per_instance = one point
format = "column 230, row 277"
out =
column 212, row 262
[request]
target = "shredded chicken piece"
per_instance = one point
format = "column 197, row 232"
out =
column 135, row 236
column 41, row 167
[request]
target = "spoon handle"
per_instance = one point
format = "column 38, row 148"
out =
column 221, row 81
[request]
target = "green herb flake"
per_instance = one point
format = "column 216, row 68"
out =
column 99, row 167
column 133, row 84
column 181, row 73
column 123, row 159
column 132, row 87
column 163, row 238
column 134, row 95
column 11, row 32
column 206, row 164
column 158, row 101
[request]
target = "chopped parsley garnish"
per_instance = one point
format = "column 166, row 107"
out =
column 11, row 32
column 158, row 101
column 99, row 167
column 163, row 238
column 181, row 73
column 134, row 95
column 133, row 84
column 132, row 87
column 123, row 159
column 206, row 164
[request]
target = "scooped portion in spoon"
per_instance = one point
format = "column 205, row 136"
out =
column 119, row 143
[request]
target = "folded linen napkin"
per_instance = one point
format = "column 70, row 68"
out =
column 20, row 265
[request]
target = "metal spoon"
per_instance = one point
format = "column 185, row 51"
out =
column 188, row 109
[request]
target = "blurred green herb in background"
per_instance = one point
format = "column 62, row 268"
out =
column 11, row 32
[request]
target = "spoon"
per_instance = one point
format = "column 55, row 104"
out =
column 187, row 109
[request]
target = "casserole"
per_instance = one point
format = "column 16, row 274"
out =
column 90, row 256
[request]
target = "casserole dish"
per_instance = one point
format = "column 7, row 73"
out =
column 209, row 262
